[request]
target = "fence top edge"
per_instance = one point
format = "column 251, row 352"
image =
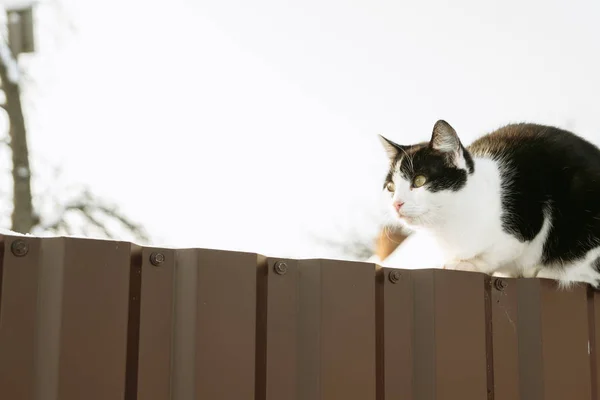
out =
column 11, row 236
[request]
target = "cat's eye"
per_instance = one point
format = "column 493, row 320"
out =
column 419, row 181
column 390, row 187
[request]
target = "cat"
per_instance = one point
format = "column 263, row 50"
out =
column 522, row 201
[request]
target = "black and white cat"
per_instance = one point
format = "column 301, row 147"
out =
column 522, row 201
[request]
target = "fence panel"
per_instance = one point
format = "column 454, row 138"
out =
column 282, row 334
column 396, row 351
column 64, row 302
column 565, row 342
column 94, row 318
column 504, row 339
column 156, row 324
column 226, row 324
column 451, row 355
column 321, row 330
column 553, row 341
column 531, row 379
column 348, row 338
column 19, row 278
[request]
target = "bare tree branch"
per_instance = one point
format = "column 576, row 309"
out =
column 95, row 222
column 97, row 214
column 60, row 220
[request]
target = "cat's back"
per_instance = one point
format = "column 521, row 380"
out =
column 546, row 172
column 534, row 146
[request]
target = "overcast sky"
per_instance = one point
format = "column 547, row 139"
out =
column 248, row 124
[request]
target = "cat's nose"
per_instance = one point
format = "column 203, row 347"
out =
column 398, row 205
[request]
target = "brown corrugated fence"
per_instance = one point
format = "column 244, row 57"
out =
column 105, row 320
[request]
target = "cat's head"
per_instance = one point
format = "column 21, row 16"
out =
column 424, row 179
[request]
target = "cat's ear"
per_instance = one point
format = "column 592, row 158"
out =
column 392, row 149
column 444, row 138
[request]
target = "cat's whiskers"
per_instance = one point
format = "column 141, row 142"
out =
column 409, row 159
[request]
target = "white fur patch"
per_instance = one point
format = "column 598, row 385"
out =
column 459, row 160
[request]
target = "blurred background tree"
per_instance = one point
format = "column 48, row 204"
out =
column 45, row 206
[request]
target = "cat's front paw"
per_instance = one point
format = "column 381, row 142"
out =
column 461, row 266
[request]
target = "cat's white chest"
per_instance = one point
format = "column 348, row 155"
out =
column 474, row 232
column 497, row 251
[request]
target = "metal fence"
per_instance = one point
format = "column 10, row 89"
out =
column 88, row 319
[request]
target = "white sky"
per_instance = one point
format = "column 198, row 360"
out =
column 246, row 124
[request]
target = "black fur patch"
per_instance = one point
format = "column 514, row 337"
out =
column 551, row 172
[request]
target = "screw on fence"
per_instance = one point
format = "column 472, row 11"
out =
column 394, row 276
column 280, row 268
column 500, row 284
column 157, row 258
column 19, row 248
